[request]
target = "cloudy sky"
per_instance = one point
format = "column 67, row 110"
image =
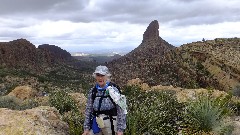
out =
column 86, row 25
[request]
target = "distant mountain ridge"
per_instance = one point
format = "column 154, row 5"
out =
column 100, row 59
column 56, row 51
column 207, row 64
column 21, row 53
column 44, row 68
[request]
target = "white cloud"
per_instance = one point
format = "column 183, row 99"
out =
column 79, row 25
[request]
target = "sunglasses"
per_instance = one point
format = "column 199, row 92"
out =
column 100, row 75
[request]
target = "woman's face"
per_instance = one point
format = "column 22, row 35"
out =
column 101, row 80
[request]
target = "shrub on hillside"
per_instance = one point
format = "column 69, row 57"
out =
column 75, row 120
column 62, row 101
column 14, row 103
column 10, row 102
column 154, row 112
column 236, row 91
column 69, row 110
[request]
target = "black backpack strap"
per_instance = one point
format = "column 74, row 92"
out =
column 115, row 85
column 115, row 109
column 94, row 92
column 112, row 126
column 100, row 103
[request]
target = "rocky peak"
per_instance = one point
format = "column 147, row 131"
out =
column 152, row 32
column 152, row 45
column 57, row 52
column 143, row 58
column 21, row 41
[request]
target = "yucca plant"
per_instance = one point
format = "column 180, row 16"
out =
column 206, row 115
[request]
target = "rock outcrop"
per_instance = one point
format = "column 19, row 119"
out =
column 18, row 51
column 58, row 53
column 42, row 120
column 23, row 92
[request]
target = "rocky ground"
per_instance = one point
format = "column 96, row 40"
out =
column 43, row 120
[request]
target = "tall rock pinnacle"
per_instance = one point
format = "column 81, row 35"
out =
column 152, row 32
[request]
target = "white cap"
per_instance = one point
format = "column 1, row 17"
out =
column 103, row 70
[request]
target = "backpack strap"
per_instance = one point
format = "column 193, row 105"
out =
column 100, row 103
column 115, row 85
column 94, row 92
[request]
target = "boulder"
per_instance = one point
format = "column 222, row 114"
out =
column 23, row 92
column 43, row 120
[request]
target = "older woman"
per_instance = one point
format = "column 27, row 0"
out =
column 100, row 105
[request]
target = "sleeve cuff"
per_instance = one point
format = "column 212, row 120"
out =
column 120, row 130
column 86, row 128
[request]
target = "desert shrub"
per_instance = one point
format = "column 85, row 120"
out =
column 9, row 88
column 3, row 72
column 10, row 102
column 192, row 84
column 75, row 120
column 69, row 110
column 62, row 101
column 207, row 114
column 236, row 91
column 153, row 112
column 29, row 103
column 236, row 106
column 14, row 103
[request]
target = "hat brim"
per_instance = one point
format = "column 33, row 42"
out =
column 102, row 73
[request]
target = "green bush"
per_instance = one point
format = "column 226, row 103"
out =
column 14, row 103
column 236, row 91
column 75, row 121
column 237, row 107
column 69, row 110
column 29, row 103
column 207, row 114
column 62, row 101
column 235, row 104
column 10, row 102
column 9, row 88
column 152, row 112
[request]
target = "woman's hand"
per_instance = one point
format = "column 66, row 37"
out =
column 86, row 132
column 119, row 133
